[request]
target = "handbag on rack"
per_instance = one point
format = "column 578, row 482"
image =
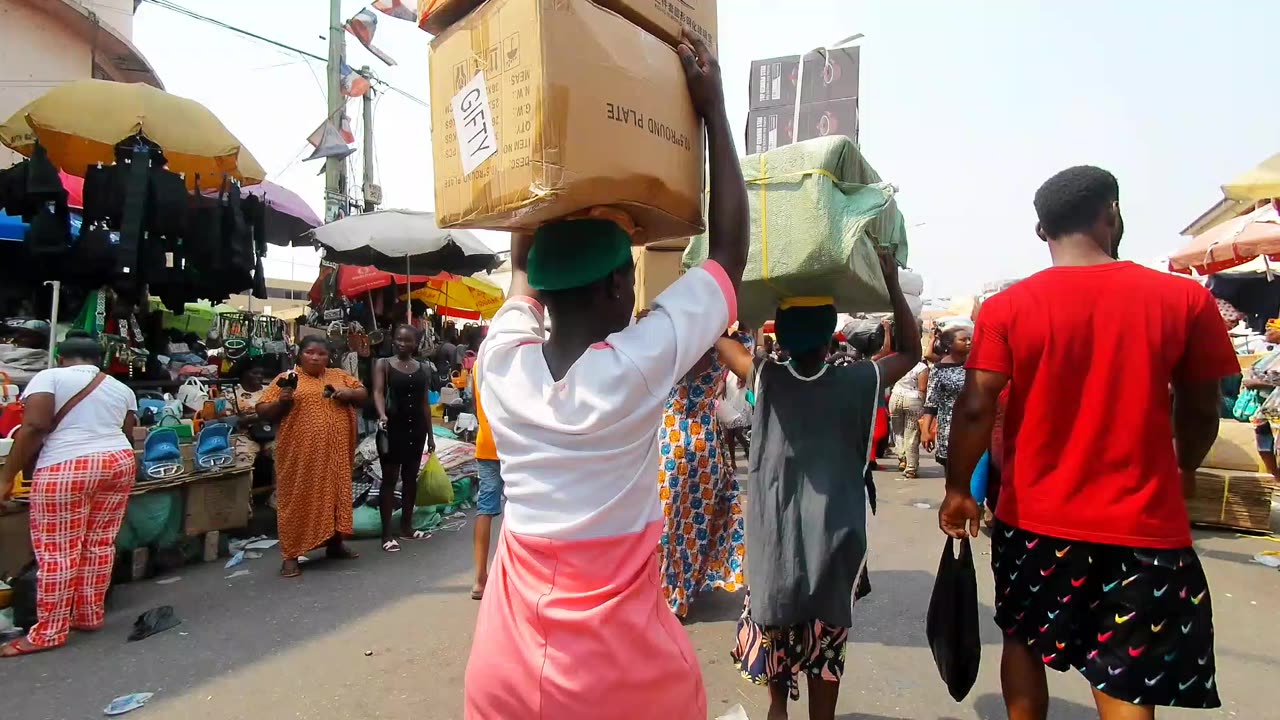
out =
column 193, row 393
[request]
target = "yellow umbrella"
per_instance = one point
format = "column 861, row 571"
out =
column 80, row 123
column 467, row 294
column 1260, row 183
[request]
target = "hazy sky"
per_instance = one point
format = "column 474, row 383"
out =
column 966, row 106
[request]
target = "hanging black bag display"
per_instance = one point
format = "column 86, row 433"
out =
column 952, row 623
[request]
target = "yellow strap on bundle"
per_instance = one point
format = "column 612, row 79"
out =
column 766, row 179
column 1226, row 488
column 763, row 181
column 814, row 301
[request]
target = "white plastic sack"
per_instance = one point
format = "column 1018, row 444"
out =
column 733, row 410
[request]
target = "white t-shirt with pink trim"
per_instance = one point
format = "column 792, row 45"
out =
column 580, row 456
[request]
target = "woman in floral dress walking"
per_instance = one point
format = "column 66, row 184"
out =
column 704, row 544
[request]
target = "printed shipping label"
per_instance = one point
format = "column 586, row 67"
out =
column 471, row 115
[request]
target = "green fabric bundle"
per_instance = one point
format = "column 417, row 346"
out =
column 818, row 213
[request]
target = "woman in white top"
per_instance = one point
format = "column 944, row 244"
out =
column 573, row 623
column 905, row 407
column 76, row 436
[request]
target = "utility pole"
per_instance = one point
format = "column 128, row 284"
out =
column 372, row 190
column 335, row 180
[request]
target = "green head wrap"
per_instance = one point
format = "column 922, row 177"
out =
column 801, row 329
column 573, row 253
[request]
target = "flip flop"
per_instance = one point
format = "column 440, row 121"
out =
column 342, row 552
column 477, row 594
column 161, row 457
column 213, row 447
column 391, row 546
column 22, row 646
column 286, row 573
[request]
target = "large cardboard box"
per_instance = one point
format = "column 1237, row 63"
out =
column 220, row 502
column 657, row 266
column 1235, row 449
column 663, row 18
column 544, row 108
column 831, row 74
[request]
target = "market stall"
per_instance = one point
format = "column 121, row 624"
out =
column 1235, row 489
column 134, row 205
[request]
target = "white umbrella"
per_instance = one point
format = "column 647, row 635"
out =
column 404, row 241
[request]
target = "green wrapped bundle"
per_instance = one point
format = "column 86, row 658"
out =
column 818, row 213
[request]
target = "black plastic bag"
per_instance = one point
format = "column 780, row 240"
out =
column 155, row 620
column 952, row 623
column 24, row 597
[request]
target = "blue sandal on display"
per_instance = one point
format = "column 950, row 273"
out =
column 161, row 456
column 213, row 447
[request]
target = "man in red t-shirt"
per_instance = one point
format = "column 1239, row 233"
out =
column 1112, row 372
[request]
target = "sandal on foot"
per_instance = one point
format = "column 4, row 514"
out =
column 290, row 569
column 418, row 535
column 22, row 646
column 477, row 594
column 391, row 546
column 340, row 552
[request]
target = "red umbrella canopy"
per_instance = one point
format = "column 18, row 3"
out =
column 354, row 281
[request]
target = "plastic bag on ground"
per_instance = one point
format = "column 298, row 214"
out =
column 952, row 623
column 155, row 620
column 366, row 522
column 434, row 487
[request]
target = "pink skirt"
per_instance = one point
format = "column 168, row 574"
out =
column 580, row 629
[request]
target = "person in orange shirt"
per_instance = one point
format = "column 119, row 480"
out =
column 489, row 500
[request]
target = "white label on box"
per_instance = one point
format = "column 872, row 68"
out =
column 474, row 122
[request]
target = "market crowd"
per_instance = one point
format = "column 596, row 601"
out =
column 605, row 439
column 1092, row 553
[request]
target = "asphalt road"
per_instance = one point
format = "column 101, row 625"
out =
column 263, row 648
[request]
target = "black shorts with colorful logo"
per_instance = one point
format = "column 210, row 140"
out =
column 1136, row 622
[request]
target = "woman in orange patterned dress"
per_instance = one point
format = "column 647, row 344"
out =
column 703, row 545
column 315, row 447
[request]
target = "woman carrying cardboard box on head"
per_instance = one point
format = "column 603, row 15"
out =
column 573, row 623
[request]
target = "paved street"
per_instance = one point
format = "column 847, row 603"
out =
column 260, row 647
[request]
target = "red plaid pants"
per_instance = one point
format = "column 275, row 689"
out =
column 76, row 510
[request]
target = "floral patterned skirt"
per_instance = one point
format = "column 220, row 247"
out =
column 776, row 655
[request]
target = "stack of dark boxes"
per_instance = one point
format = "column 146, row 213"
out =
column 816, row 93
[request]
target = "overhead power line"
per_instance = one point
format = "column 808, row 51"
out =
column 174, row 7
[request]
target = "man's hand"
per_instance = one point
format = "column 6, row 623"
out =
column 959, row 514
column 702, row 71
column 1188, row 483
column 888, row 268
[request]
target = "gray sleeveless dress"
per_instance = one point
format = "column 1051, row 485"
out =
column 806, row 513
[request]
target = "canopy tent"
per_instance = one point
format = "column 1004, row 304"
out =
column 404, row 240
column 1261, row 182
column 468, row 298
column 1231, row 243
column 354, row 281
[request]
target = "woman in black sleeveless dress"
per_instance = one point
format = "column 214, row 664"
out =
column 400, row 386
